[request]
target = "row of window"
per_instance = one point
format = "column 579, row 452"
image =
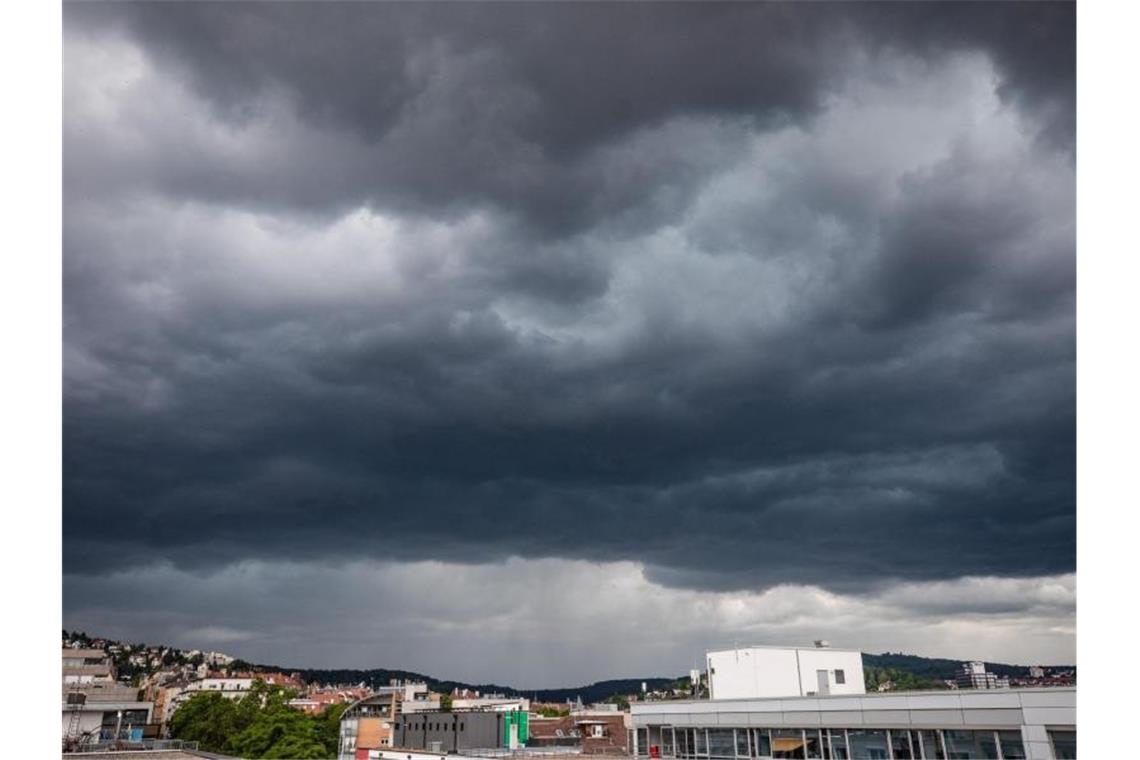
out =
column 841, row 744
column 430, row 726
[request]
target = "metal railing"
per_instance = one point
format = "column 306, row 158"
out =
column 112, row 745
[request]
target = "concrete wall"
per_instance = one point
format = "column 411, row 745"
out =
column 760, row 672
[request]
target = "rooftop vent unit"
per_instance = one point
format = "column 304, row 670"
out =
column 822, row 643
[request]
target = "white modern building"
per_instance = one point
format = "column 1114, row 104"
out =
column 1016, row 724
column 230, row 688
column 757, row 671
column 973, row 675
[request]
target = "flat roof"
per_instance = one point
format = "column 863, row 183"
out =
column 949, row 709
column 107, row 706
column 807, row 648
column 70, row 652
column 885, row 695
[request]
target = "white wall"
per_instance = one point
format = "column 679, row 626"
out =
column 851, row 663
column 744, row 673
column 756, row 672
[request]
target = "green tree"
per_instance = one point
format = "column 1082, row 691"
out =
column 259, row 725
column 209, row 719
column 328, row 726
column 898, row 680
column 238, row 666
column 276, row 727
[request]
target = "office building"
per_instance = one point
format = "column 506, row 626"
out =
column 1021, row 724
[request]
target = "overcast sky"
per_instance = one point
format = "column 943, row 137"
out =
column 547, row 343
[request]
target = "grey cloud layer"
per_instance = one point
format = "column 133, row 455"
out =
column 749, row 294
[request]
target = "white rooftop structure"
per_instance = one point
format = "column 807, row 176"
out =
column 766, row 671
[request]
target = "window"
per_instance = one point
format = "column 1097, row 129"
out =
column 682, row 737
column 971, row 745
column 840, row 677
column 931, row 745
column 1011, row 746
column 701, row 742
column 868, row 744
column 788, row 743
column 837, row 737
column 1064, row 744
column 721, row 742
column 761, row 742
column 813, row 745
column 900, row 745
column 742, row 742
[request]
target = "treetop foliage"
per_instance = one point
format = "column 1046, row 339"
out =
column 259, row 725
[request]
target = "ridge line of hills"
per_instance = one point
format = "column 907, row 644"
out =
column 922, row 668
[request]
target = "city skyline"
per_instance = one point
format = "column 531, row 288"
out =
column 543, row 343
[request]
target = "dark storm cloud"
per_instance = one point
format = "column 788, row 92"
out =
column 751, row 294
column 452, row 105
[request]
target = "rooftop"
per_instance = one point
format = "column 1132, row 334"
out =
column 950, row 698
column 85, row 653
column 785, row 647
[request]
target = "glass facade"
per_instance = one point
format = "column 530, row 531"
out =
column 843, row 744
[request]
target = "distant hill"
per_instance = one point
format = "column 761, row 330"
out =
column 941, row 669
column 595, row 692
column 924, row 670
